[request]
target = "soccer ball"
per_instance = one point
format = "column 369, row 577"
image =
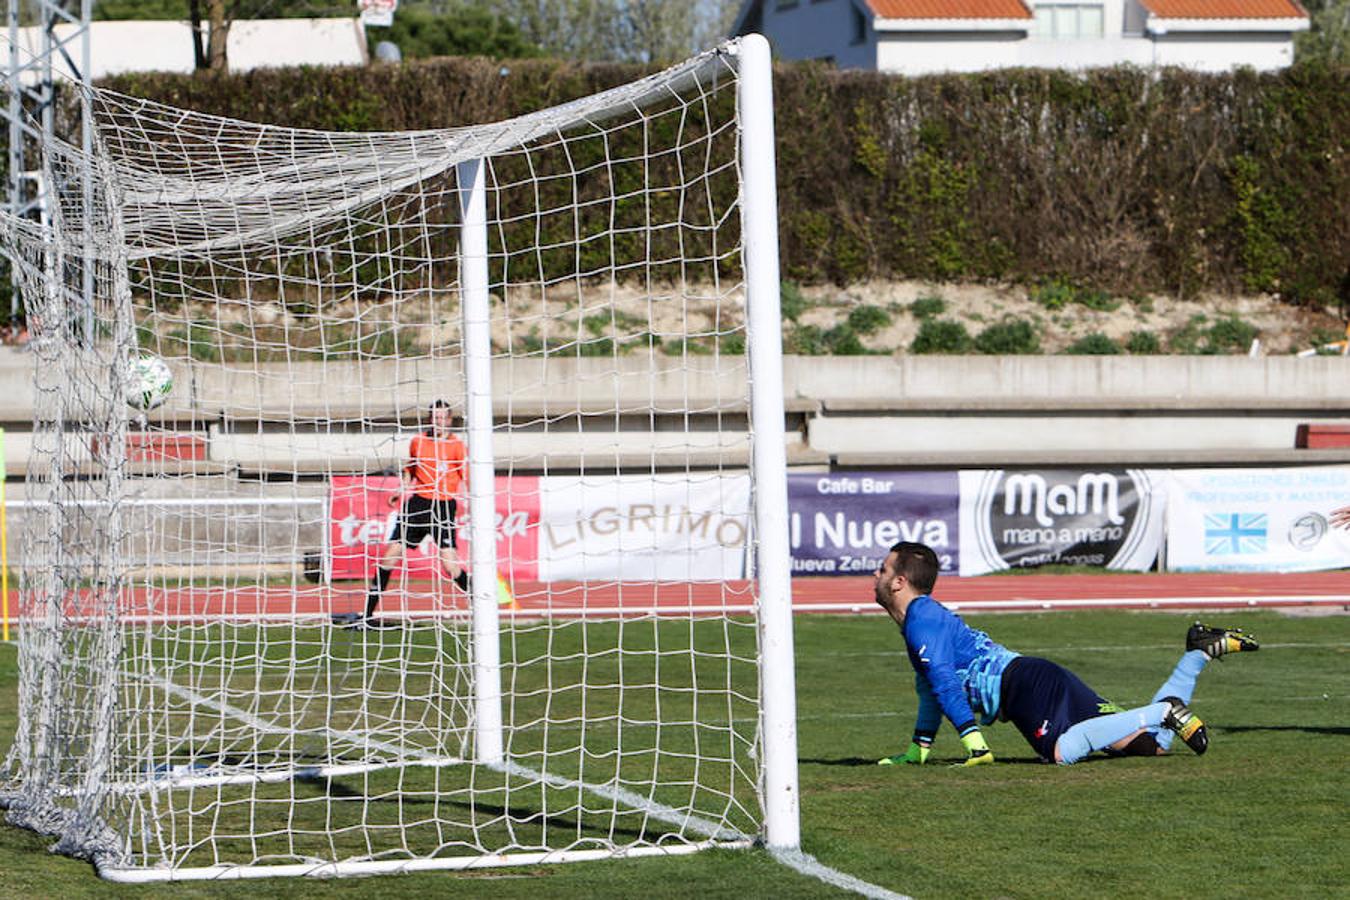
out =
column 149, row 382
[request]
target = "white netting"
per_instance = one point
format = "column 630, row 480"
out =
column 187, row 701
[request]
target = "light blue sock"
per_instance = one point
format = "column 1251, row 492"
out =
column 1181, row 683
column 1100, row 732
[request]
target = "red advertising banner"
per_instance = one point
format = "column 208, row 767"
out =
column 362, row 510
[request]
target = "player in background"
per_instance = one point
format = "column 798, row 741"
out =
column 433, row 476
column 960, row 673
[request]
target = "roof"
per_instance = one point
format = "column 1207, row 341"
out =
column 1225, row 9
column 957, row 9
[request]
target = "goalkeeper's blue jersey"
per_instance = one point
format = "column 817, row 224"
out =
column 958, row 670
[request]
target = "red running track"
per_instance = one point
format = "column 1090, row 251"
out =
column 845, row 594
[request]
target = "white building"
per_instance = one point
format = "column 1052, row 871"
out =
column 119, row 47
column 915, row 37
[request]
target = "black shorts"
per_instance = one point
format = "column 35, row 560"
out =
column 422, row 516
column 1044, row 700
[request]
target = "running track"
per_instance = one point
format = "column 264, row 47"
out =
column 845, row 595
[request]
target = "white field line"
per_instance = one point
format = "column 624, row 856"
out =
column 670, row 815
column 196, row 778
column 807, row 864
column 630, row 612
column 659, row 811
column 1105, row 648
column 685, row 820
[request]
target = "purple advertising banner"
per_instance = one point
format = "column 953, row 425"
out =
column 842, row 523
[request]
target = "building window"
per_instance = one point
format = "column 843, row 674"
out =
column 785, row 4
column 859, row 30
column 1069, row 20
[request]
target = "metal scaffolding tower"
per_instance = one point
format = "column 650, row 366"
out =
column 48, row 39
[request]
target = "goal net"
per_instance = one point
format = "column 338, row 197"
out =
column 592, row 290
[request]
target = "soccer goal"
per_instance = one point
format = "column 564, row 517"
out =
column 593, row 290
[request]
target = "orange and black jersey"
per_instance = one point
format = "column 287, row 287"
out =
column 436, row 465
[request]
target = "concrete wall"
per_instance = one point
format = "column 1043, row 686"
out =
column 922, row 53
column 639, row 411
column 1052, row 382
column 529, row 388
column 119, row 47
column 1221, row 52
column 196, row 524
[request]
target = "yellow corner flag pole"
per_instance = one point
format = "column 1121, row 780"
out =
column 505, row 599
column 4, row 548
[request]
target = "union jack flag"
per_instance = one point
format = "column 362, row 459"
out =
column 1235, row 533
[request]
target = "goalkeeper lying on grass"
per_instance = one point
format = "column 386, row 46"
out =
column 961, row 673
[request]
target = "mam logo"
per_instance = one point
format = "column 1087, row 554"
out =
column 1062, row 516
column 1097, row 493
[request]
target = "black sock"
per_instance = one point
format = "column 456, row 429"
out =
column 462, row 579
column 377, row 586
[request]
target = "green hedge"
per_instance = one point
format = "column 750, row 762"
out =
column 1120, row 179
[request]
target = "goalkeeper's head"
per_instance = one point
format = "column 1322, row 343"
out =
column 443, row 416
column 910, row 570
column 915, row 563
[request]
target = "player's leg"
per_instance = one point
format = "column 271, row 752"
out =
column 1203, row 643
column 1130, row 731
column 1043, row 699
column 410, row 528
column 454, row 570
column 384, row 571
column 444, row 533
column 1065, row 721
column 1216, row 642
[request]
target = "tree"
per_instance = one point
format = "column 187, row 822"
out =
column 1328, row 40
column 419, row 31
column 651, row 31
column 141, row 9
column 657, row 30
column 572, row 29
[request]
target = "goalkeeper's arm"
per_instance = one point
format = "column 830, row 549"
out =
column 926, row 725
column 935, row 663
column 973, row 741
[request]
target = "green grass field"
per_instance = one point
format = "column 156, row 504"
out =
column 1264, row 813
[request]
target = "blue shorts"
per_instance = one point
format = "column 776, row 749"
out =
column 1045, row 700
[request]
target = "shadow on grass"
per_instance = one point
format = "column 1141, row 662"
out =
column 335, row 788
column 932, row 763
column 1307, row 729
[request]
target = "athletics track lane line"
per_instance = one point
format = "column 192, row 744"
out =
column 842, row 594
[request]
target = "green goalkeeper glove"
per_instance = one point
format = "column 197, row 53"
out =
column 916, row 755
column 979, row 751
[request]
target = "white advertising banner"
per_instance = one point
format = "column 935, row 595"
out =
column 377, row 13
column 644, row 527
column 1256, row 520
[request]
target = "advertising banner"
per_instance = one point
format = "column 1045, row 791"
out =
column 842, row 523
column 1249, row 520
column 377, row 13
column 362, row 510
column 644, row 527
column 1033, row 517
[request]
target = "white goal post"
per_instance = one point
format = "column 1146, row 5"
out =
column 594, row 291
